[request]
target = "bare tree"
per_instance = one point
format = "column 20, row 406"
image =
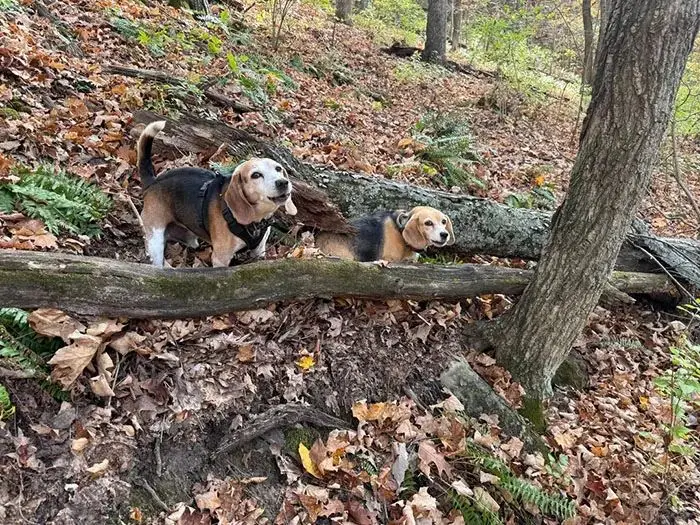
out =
column 456, row 23
column 640, row 64
column 603, row 15
column 587, row 42
column 436, row 32
column 343, row 11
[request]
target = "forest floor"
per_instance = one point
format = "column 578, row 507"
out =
column 133, row 444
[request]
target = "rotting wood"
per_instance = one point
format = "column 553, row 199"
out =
column 96, row 286
column 479, row 398
column 481, row 225
column 165, row 78
column 278, row 417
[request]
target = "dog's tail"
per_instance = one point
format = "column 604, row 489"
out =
column 146, row 170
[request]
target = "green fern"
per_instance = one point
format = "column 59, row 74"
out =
column 471, row 512
column 522, row 491
column 7, row 409
column 448, row 147
column 62, row 201
column 23, row 349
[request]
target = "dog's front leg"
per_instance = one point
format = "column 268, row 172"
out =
column 261, row 249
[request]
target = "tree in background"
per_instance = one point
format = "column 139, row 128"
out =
column 456, row 23
column 343, row 11
column 587, row 42
column 638, row 69
column 436, row 32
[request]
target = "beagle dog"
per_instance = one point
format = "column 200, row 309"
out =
column 390, row 236
column 231, row 213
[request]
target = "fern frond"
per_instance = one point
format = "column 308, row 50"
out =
column 472, row 514
column 7, row 409
column 560, row 507
column 63, row 202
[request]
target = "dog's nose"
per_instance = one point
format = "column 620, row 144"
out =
column 444, row 235
column 282, row 184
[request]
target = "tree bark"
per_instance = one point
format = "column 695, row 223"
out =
column 343, row 11
column 587, row 42
column 643, row 56
column 603, row 15
column 456, row 23
column 493, row 228
column 436, row 32
column 200, row 6
column 96, row 286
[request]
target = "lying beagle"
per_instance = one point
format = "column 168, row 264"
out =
column 187, row 204
column 390, row 236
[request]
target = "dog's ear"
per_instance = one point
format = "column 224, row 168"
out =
column 289, row 207
column 402, row 218
column 451, row 239
column 243, row 210
column 414, row 235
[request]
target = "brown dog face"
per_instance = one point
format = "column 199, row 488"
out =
column 424, row 226
column 258, row 188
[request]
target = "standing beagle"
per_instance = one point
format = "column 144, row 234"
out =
column 390, row 236
column 187, row 204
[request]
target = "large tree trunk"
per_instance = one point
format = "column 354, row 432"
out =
column 603, row 15
column 95, row 286
column 587, row 42
column 481, row 225
column 436, row 32
column 200, row 6
column 456, row 23
column 343, row 11
column 643, row 55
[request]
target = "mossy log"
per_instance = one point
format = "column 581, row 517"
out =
column 96, row 286
column 481, row 225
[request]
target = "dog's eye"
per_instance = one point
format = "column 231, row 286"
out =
column 256, row 175
column 428, row 223
column 444, row 221
column 278, row 168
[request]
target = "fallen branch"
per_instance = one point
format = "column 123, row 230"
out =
column 165, row 78
column 481, row 225
column 96, row 286
column 277, row 417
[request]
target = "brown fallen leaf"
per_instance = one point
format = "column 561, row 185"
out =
column 246, row 353
column 129, row 342
column 208, row 501
column 429, row 455
column 50, row 322
column 70, row 361
column 100, row 386
column 100, row 468
column 78, row 445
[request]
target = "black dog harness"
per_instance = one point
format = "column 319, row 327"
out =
column 251, row 234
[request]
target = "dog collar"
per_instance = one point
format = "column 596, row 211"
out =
column 251, row 234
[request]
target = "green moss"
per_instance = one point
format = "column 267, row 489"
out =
column 9, row 113
column 299, row 434
column 533, row 411
column 571, row 373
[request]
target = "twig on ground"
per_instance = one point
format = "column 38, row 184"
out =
column 679, row 176
column 279, row 416
column 156, row 498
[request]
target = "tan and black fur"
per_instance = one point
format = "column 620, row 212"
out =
column 172, row 204
column 390, row 236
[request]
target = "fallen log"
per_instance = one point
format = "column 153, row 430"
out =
column 165, row 78
column 481, row 225
column 96, row 286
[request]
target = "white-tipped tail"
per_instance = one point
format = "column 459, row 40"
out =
column 146, row 171
column 153, row 129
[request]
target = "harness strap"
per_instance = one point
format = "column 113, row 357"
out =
column 251, row 234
